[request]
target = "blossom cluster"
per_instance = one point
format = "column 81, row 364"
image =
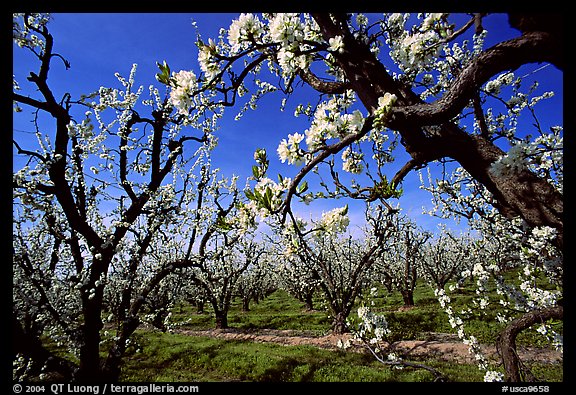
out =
column 352, row 161
column 335, row 220
column 266, row 198
column 288, row 30
column 244, row 31
column 372, row 326
column 330, row 122
column 23, row 35
column 418, row 48
column 184, row 85
column 385, row 104
column 495, row 85
column 290, row 150
column 470, row 341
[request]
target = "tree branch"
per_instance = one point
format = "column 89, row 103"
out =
column 507, row 338
column 508, row 55
column 328, row 87
column 326, row 152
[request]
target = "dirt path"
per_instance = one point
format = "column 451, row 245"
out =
column 442, row 346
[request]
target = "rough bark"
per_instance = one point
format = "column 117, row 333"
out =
column 221, row 319
column 518, row 193
column 507, row 340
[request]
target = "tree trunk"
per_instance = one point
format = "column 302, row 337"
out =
column 518, row 193
column 90, row 369
column 408, row 298
column 112, row 367
column 246, row 304
column 339, row 323
column 507, row 340
column 221, row 319
column 308, row 301
column 30, row 346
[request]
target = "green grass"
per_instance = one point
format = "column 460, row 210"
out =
column 177, row 358
column 282, row 311
column 165, row 357
column 278, row 311
column 173, row 358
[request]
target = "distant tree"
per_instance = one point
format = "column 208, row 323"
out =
column 340, row 263
column 218, row 269
column 258, row 281
column 101, row 189
column 445, row 257
column 403, row 256
column 298, row 279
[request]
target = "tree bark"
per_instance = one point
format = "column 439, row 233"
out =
column 520, row 193
column 246, row 303
column 339, row 323
column 408, row 298
column 90, row 362
column 309, row 301
column 221, row 319
column 507, row 339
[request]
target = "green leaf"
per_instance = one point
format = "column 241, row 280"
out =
column 164, row 75
column 161, row 77
column 258, row 195
column 268, row 199
column 249, row 194
column 222, row 224
column 303, row 187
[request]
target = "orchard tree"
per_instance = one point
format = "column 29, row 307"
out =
column 218, row 268
column 534, row 300
column 422, row 80
column 296, row 278
column 426, row 82
column 339, row 262
column 400, row 262
column 258, row 281
column 98, row 191
column 445, row 257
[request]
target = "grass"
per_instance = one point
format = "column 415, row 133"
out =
column 278, row 311
column 173, row 357
column 179, row 358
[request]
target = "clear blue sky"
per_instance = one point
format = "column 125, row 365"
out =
column 98, row 45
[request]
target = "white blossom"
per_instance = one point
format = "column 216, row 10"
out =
column 335, row 221
column 243, row 30
column 336, row 44
column 185, row 84
column 290, row 150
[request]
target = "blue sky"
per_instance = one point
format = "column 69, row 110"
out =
column 98, row 45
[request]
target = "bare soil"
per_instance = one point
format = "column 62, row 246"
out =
column 442, row 346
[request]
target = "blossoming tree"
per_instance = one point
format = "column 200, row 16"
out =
column 441, row 82
column 446, row 256
column 338, row 262
column 531, row 253
column 401, row 260
column 427, row 83
column 101, row 191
